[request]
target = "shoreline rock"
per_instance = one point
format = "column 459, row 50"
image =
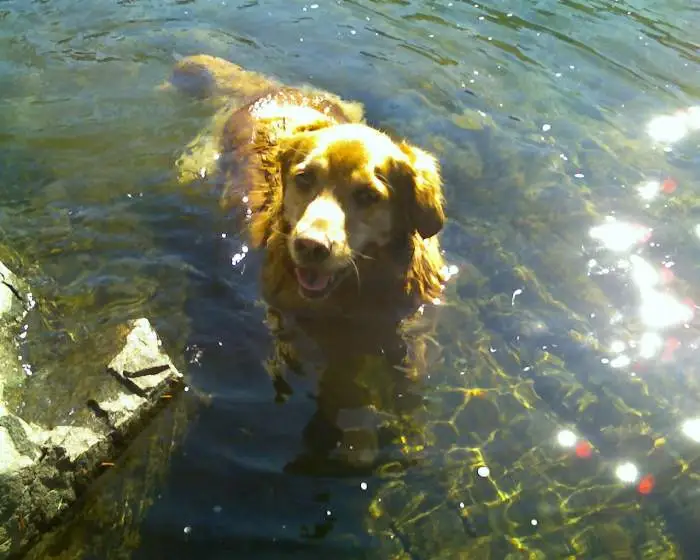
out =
column 15, row 302
column 45, row 472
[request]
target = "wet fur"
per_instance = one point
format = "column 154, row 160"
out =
column 406, row 271
column 262, row 126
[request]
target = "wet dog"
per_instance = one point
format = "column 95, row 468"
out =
column 348, row 217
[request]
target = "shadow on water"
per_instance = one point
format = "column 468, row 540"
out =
column 559, row 417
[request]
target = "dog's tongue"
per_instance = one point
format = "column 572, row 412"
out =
column 312, row 280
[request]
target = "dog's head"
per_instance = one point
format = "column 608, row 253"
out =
column 349, row 191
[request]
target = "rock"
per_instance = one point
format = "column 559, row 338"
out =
column 43, row 472
column 15, row 301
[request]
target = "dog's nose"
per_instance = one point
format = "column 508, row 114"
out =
column 312, row 250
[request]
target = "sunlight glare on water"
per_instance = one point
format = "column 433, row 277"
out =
column 649, row 190
column 669, row 129
column 650, row 344
column 619, row 236
column 691, row 428
column 567, row 438
column 659, row 308
column 627, row 472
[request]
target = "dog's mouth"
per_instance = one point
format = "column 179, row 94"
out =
column 314, row 283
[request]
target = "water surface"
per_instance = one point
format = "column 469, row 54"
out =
column 561, row 416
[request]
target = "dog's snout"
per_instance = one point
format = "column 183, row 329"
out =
column 312, row 250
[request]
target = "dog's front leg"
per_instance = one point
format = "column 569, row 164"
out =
column 284, row 354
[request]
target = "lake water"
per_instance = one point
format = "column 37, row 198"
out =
column 562, row 412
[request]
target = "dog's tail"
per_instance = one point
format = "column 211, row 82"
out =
column 209, row 77
column 205, row 76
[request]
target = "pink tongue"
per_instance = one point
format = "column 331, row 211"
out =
column 312, row 280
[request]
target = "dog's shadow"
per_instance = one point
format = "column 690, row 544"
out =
column 369, row 383
column 369, row 391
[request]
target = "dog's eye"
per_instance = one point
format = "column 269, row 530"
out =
column 366, row 196
column 305, row 179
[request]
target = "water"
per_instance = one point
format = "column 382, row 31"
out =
column 561, row 415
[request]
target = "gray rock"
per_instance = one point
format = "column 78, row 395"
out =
column 15, row 301
column 44, row 472
column 15, row 298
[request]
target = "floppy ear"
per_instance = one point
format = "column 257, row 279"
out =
column 266, row 195
column 425, row 205
column 294, row 149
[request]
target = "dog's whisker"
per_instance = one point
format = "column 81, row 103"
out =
column 357, row 273
column 279, row 231
column 359, row 254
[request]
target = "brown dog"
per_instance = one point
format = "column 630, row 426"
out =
column 348, row 218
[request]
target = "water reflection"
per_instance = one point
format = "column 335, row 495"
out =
column 567, row 438
column 619, row 236
column 650, row 344
column 653, row 332
column 627, row 472
column 659, row 308
column 568, row 83
column 669, row 129
column 691, row 429
column 649, row 190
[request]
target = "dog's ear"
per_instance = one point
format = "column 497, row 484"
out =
column 266, row 197
column 294, row 150
column 425, row 199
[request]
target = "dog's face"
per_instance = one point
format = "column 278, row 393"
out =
column 350, row 191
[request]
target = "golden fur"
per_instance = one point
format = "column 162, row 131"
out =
column 348, row 218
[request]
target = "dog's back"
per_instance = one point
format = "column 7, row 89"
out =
column 250, row 110
column 210, row 77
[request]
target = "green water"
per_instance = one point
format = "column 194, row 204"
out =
column 565, row 357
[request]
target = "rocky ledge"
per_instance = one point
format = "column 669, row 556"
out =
column 44, row 472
